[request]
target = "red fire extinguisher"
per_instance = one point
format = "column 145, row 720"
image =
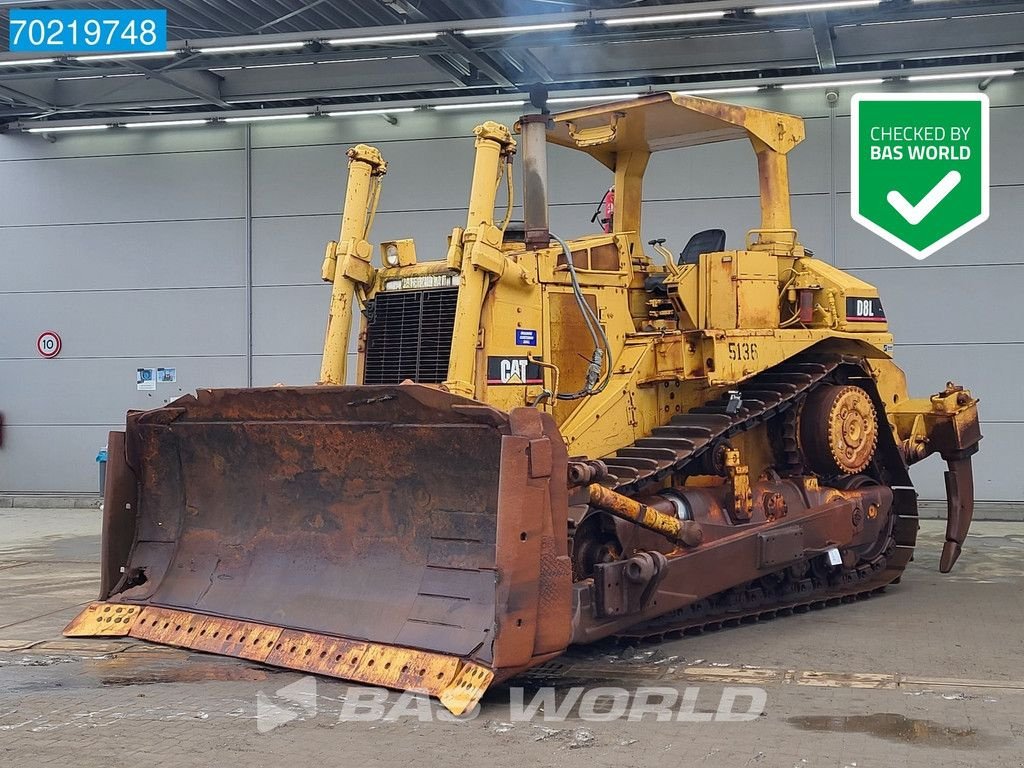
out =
column 605, row 210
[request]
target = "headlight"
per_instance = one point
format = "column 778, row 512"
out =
column 391, row 255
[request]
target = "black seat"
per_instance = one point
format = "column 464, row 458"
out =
column 708, row 241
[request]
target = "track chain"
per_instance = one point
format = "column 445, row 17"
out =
column 690, row 437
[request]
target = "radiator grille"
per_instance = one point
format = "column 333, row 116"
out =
column 409, row 336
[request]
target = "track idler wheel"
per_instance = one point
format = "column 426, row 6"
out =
column 838, row 430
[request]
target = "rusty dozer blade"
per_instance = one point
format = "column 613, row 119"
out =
column 395, row 535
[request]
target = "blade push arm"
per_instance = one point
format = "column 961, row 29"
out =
column 347, row 260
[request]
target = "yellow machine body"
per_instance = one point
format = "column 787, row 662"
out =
column 546, row 442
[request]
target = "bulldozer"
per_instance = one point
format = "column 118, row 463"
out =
column 551, row 441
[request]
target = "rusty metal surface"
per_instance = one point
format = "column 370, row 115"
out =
column 457, row 683
column 392, row 535
column 103, row 620
column 119, row 499
column 959, row 509
column 838, row 430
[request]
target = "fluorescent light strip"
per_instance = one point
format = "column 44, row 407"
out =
column 165, row 123
column 120, row 56
column 593, row 99
column 66, row 128
column 278, row 66
column 804, row 7
column 733, row 89
column 963, row 75
column 833, row 84
column 480, row 105
column 102, row 77
column 382, row 111
column 513, row 30
column 400, row 38
column 665, row 18
column 26, row 62
column 253, row 47
column 265, row 118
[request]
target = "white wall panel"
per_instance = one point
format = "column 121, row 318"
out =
column 186, row 322
column 59, row 459
column 290, row 319
column 128, row 143
column 991, row 371
column 172, row 254
column 297, row 370
column 305, row 180
column 926, row 305
column 186, row 185
column 91, row 391
column 997, row 475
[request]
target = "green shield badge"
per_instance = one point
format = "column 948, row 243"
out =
column 919, row 167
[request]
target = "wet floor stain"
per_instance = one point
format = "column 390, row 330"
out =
column 129, row 669
column 122, row 671
column 892, row 727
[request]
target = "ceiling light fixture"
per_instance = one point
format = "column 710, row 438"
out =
column 480, row 105
column 710, row 91
column 593, row 99
column 278, row 66
column 831, row 84
column 102, row 77
column 399, row 38
column 67, row 128
column 832, row 5
column 120, row 56
column 164, row 123
column 514, row 30
column 265, row 118
column 382, row 111
column 25, row 62
column 664, row 18
column 254, row 47
column 963, row 75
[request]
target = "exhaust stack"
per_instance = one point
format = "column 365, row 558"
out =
column 533, row 129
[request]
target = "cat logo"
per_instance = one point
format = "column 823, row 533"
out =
column 512, row 371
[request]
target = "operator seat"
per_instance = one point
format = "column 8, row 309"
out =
column 705, row 241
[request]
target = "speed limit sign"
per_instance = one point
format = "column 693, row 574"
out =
column 48, row 344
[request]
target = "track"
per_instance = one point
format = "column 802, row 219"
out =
column 689, row 439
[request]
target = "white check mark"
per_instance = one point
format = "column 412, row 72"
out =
column 916, row 213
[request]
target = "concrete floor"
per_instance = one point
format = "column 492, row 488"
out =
column 930, row 673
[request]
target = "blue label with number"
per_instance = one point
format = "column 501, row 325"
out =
column 92, row 31
column 526, row 337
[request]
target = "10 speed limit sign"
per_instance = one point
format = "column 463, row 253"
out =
column 48, row 344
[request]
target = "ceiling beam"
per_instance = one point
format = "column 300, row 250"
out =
column 478, row 60
column 297, row 12
column 210, row 93
column 822, row 33
column 449, row 69
column 532, row 64
column 23, row 98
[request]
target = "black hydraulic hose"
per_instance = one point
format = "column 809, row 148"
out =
column 602, row 348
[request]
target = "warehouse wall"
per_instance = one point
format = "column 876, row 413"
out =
column 147, row 249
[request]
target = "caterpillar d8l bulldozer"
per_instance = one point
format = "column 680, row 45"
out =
column 550, row 442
